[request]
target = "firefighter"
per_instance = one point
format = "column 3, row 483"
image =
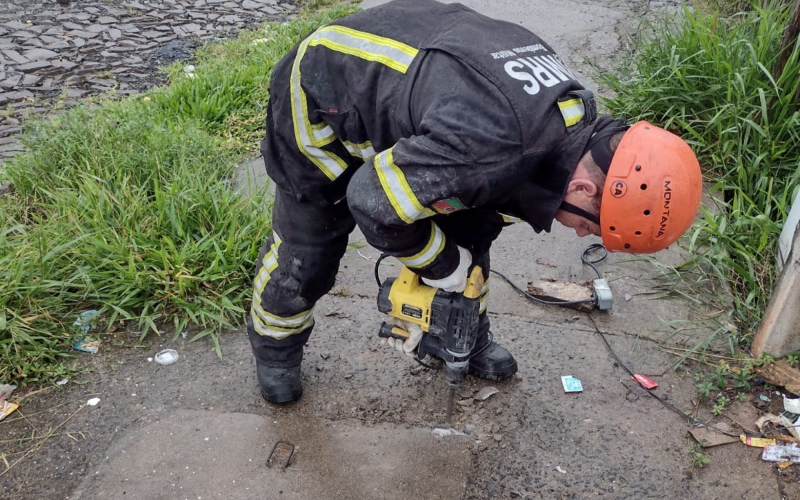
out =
column 431, row 127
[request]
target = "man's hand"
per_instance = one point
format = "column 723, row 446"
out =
column 414, row 336
column 457, row 281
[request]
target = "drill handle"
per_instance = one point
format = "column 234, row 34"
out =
column 388, row 331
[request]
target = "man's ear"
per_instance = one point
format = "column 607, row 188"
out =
column 583, row 185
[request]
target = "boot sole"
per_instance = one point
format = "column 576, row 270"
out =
column 282, row 397
column 505, row 373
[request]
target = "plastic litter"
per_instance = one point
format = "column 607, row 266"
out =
column 559, row 469
column 486, row 393
column 571, row 384
column 791, row 404
column 756, row 442
column 84, row 324
column 6, row 407
column 167, row 357
column 63, row 381
column 764, row 398
column 781, row 453
column 84, row 321
column 645, row 381
column 449, row 431
column 93, row 401
column 790, row 420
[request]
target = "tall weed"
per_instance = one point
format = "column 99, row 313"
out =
column 709, row 78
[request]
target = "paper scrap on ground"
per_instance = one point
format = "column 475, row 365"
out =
column 791, row 404
column 93, row 401
column 708, row 437
column 571, row 384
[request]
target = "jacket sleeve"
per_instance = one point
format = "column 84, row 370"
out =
column 466, row 144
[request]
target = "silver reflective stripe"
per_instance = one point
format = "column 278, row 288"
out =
column 363, row 150
column 484, row 296
column 277, row 331
column 429, row 253
column 309, row 138
column 398, row 191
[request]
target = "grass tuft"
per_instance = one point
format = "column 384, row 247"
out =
column 127, row 208
column 710, row 79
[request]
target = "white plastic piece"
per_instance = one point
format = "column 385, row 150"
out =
column 167, row 357
column 787, row 235
column 93, row 401
column 791, row 404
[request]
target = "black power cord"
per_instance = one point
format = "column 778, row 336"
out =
column 584, row 258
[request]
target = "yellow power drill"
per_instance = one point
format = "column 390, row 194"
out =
column 450, row 316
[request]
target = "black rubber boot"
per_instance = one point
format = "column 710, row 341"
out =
column 278, row 371
column 489, row 360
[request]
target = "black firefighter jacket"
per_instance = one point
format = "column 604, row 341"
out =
column 416, row 108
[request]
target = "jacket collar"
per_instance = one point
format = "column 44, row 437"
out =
column 540, row 197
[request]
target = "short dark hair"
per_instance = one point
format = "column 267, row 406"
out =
column 596, row 174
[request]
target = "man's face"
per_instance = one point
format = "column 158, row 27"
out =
column 582, row 227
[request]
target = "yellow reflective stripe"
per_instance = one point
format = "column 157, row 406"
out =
column 267, row 323
column 430, row 252
column 485, row 289
column 572, row 110
column 363, row 150
column 268, row 264
column 398, row 191
column 310, row 138
column 386, row 51
column 509, row 219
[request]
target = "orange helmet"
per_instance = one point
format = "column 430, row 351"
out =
column 652, row 191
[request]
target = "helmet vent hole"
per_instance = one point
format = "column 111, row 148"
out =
column 643, row 186
column 613, row 228
column 638, row 233
column 647, row 212
column 627, row 245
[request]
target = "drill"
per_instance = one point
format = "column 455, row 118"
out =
column 450, row 316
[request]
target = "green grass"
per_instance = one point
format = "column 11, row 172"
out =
column 710, row 79
column 126, row 208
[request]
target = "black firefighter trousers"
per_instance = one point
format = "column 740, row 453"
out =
column 298, row 263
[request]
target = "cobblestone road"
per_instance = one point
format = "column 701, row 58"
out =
column 60, row 50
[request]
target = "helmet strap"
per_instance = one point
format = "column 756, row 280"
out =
column 600, row 142
column 569, row 207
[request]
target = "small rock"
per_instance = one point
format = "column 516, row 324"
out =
column 251, row 5
column 486, row 393
column 497, row 437
column 106, row 20
column 39, row 54
column 6, row 188
column 96, row 28
column 114, row 33
column 627, row 297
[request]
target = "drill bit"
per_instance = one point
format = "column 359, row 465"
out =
column 451, row 401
